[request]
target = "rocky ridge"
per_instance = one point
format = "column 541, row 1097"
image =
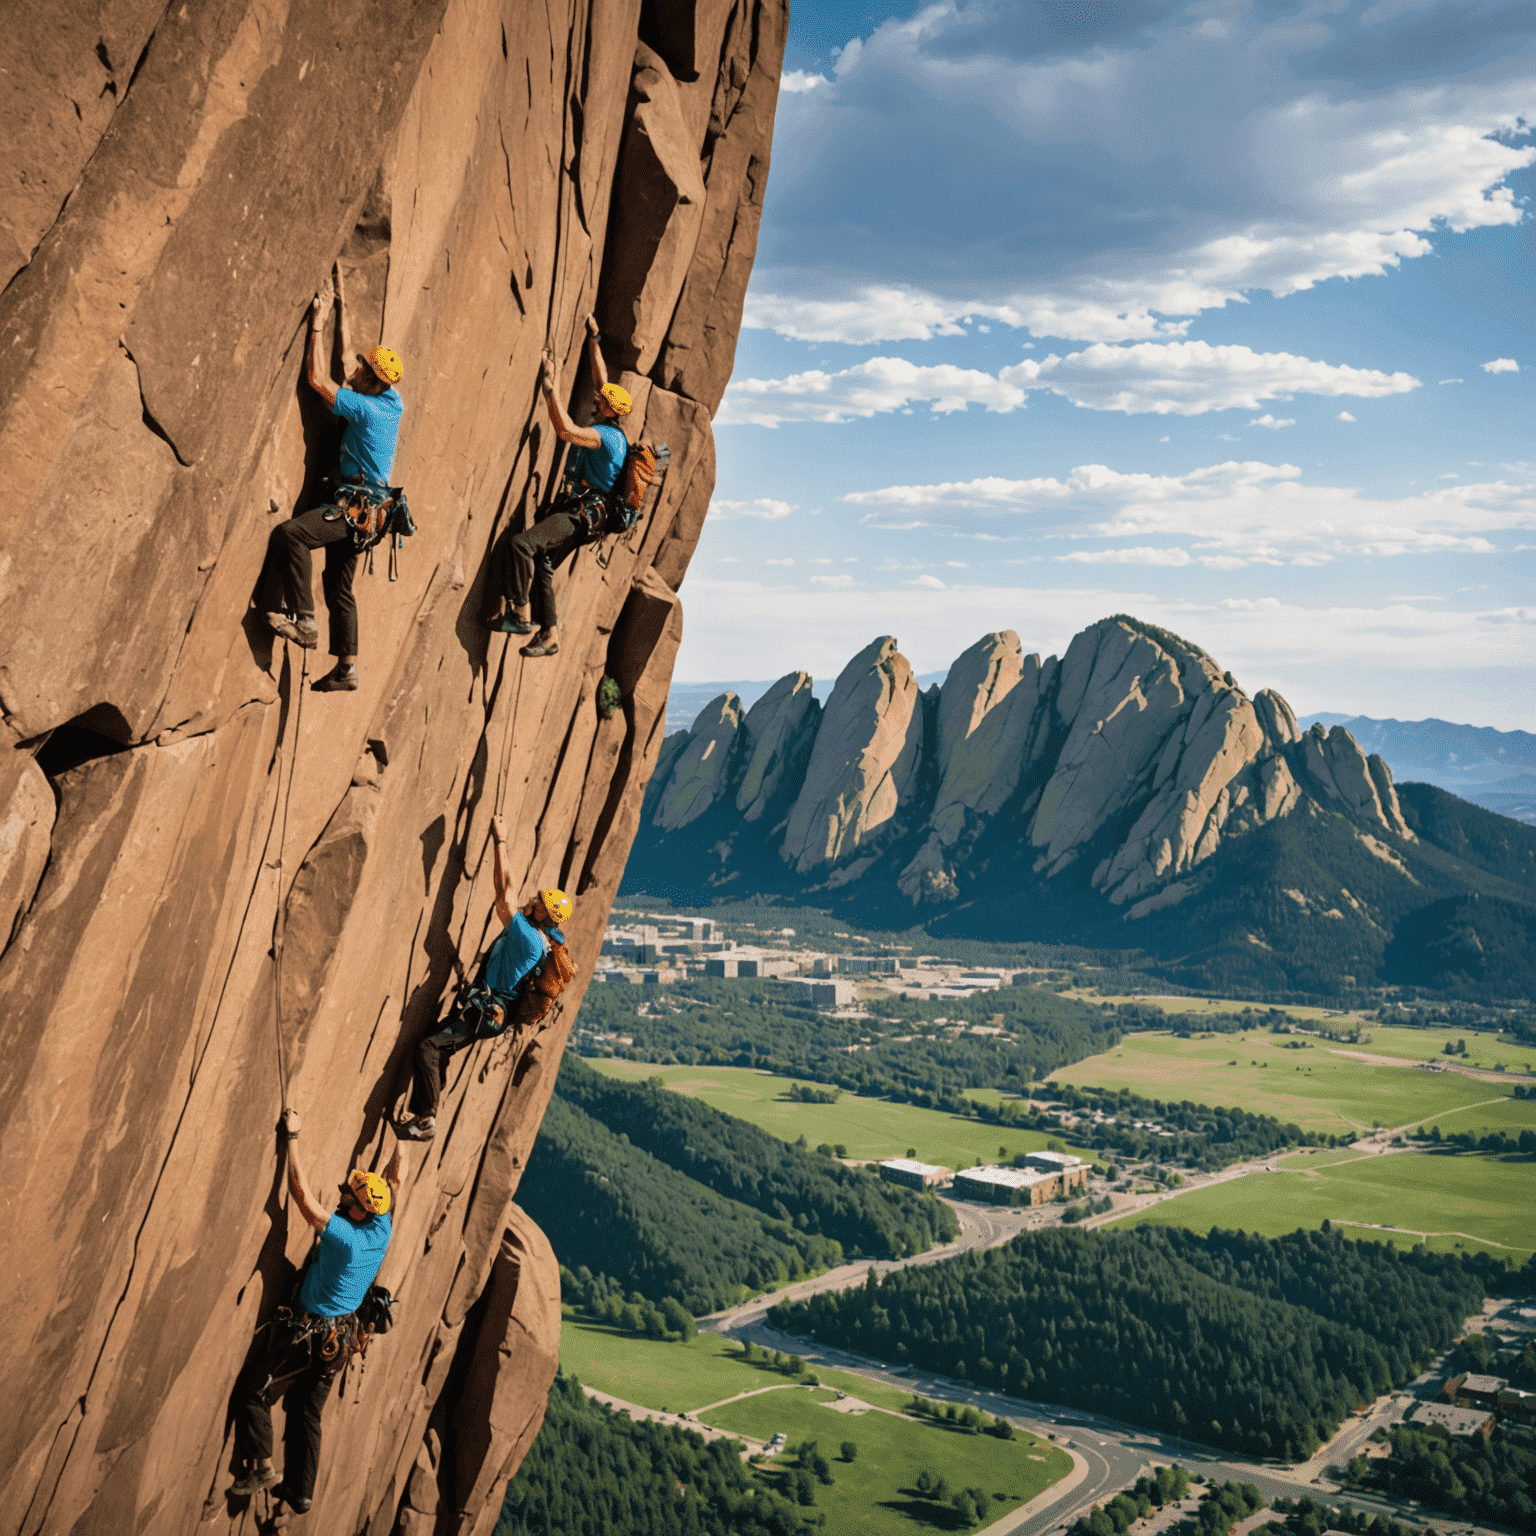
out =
column 485, row 174
column 1119, row 770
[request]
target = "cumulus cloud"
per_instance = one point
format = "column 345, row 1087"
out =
column 929, row 581
column 1143, row 164
column 1502, row 365
column 1223, row 516
column 1275, row 423
column 840, row 580
column 764, row 508
column 799, row 81
column 1345, row 416
column 1186, row 378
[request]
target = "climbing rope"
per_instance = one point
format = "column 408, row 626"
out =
column 280, row 917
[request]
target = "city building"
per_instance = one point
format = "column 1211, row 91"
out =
column 1006, row 1186
column 1470, row 1390
column 821, row 994
column 867, row 965
column 1454, row 1421
column 1073, row 1171
column 1513, row 1401
column 915, row 1175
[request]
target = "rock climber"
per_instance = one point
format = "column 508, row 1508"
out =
column 516, row 950
column 310, row 1340
column 370, row 405
column 581, row 510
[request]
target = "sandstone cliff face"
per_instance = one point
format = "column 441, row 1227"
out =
column 181, row 180
column 1133, row 760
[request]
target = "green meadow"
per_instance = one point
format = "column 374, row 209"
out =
column 876, row 1493
column 1483, row 1050
column 870, row 1129
column 1465, row 1200
column 1297, row 1079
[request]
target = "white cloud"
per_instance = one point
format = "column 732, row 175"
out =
column 1186, row 378
column 932, row 583
column 765, row 508
column 1139, row 556
column 799, row 81
column 1272, row 422
column 1270, row 148
column 1231, row 514
column 840, row 580
column 1502, row 365
column 1345, row 416
column 1453, row 381
column 786, row 561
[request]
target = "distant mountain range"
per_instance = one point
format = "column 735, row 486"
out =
column 1494, row 769
column 1129, row 794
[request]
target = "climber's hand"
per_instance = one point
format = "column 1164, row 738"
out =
column 290, row 1122
column 320, row 308
column 499, row 827
column 592, row 331
column 547, row 374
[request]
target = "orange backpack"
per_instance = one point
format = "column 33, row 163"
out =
column 543, row 984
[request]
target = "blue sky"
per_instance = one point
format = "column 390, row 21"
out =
column 1218, row 314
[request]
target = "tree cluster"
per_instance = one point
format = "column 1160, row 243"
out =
column 969, row 1504
column 592, row 1471
column 602, row 1300
column 1501, row 1143
column 1466, row 1475
column 1307, row 1517
column 1257, row 1344
column 863, row 1214
column 970, row 1421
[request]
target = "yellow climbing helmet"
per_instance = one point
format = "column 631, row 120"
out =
column 369, row 1190
column 618, row 397
column 385, row 362
column 556, row 903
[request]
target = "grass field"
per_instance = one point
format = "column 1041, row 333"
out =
column 870, row 1128
column 1314, row 1086
column 875, row 1494
column 1511, row 1115
column 867, row 1498
column 1170, row 1003
column 1489, row 1198
column 1483, row 1050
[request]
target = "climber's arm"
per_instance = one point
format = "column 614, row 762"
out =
column 595, row 355
column 565, row 429
column 311, row 1209
column 320, row 380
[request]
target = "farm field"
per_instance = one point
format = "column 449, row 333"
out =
column 1296, row 1079
column 876, row 1493
column 1491, row 1199
column 870, row 1129
column 1483, row 1050
column 1510, row 1115
column 1171, row 1003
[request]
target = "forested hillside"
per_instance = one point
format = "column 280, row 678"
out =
column 594, row 1472
column 864, row 1214
column 621, row 1212
column 1261, row 1345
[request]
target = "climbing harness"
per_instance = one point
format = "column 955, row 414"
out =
column 373, row 513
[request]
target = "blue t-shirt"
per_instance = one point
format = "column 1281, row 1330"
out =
column 349, row 1257
column 599, row 467
column 516, row 950
column 373, row 423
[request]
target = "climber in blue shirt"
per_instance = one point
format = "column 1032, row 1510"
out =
column 370, row 405
column 579, row 513
column 300, row 1349
column 520, row 947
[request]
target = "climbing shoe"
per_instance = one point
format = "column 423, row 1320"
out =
column 549, row 648
column 510, row 624
column 416, row 1130
column 339, row 679
column 304, row 632
column 299, row 1506
column 254, row 1481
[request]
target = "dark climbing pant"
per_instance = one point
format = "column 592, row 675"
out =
column 287, row 577
column 533, row 555
column 431, row 1058
column 288, row 1360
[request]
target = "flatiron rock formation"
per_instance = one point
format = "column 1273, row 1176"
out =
column 219, row 891
column 1120, row 795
